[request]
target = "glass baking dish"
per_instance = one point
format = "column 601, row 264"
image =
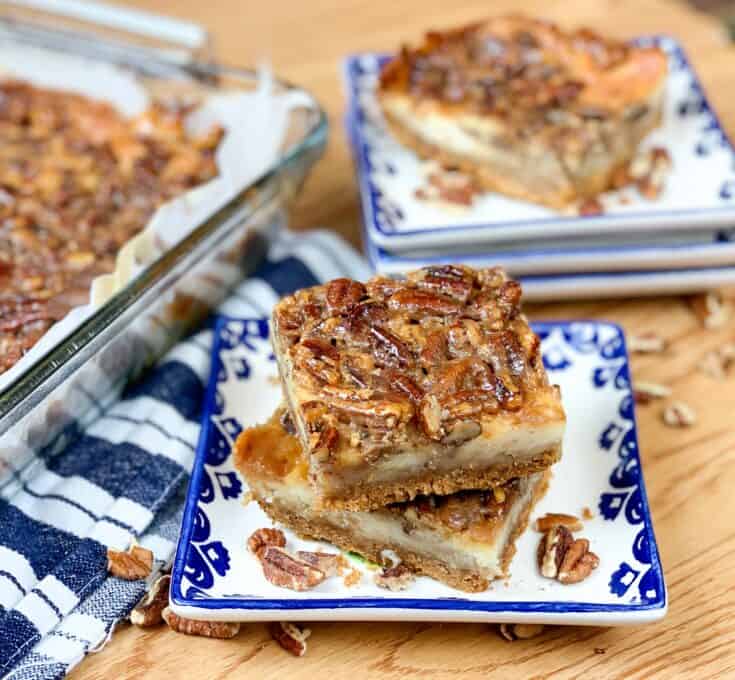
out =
column 178, row 288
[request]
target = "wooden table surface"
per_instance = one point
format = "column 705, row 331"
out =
column 690, row 473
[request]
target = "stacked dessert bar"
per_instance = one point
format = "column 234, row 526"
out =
column 419, row 421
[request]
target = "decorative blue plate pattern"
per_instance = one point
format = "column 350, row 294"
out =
column 699, row 192
column 215, row 577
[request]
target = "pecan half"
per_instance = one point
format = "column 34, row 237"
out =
column 415, row 301
column 134, row 564
column 222, row 630
column 520, row 631
column 644, row 392
column 389, row 349
column 646, row 343
column 343, row 294
column 327, row 443
column 327, row 563
column 286, row 571
column 679, row 414
column 563, row 558
column 451, row 280
column 290, row 636
column 261, row 538
column 149, row 611
column 552, row 548
column 551, row 519
column 578, row 562
column 461, row 432
column 395, row 578
column 711, row 309
column 717, row 363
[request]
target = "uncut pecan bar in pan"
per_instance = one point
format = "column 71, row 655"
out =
column 529, row 110
column 464, row 540
column 433, row 384
column 78, row 181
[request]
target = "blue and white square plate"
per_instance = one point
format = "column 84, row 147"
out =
column 576, row 281
column 699, row 192
column 216, row 578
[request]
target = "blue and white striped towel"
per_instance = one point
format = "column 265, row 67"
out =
column 121, row 476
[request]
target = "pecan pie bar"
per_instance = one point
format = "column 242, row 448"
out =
column 434, row 384
column 464, row 540
column 77, row 181
column 527, row 109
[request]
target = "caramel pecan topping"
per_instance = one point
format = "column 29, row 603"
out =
column 430, row 356
column 542, row 80
column 77, row 181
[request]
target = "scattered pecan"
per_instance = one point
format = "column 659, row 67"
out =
column 551, row 519
column 564, row 558
column 578, row 562
column 327, row 563
column 646, row 343
column 711, row 309
column 587, row 513
column 446, row 186
column 591, row 207
column 395, row 578
column 286, row 571
column 134, row 564
column 520, row 631
column 261, row 538
column 352, row 578
column 222, row 630
column 645, row 392
column 679, row 414
column 717, row 363
column 290, row 636
column 149, row 611
column 552, row 548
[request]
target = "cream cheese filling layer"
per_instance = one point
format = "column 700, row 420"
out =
column 455, row 549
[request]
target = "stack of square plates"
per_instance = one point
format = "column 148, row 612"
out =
column 683, row 241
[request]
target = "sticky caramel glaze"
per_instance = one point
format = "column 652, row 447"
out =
column 268, row 452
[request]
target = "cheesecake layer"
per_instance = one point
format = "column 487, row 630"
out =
column 464, row 539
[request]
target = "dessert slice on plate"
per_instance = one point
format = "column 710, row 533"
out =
column 430, row 385
column 464, row 540
column 527, row 109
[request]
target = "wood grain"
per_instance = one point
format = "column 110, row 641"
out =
column 690, row 474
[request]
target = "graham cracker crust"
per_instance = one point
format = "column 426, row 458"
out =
column 379, row 494
column 465, row 580
column 490, row 180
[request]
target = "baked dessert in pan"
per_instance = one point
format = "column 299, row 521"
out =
column 464, row 540
column 525, row 108
column 430, row 385
column 77, row 182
